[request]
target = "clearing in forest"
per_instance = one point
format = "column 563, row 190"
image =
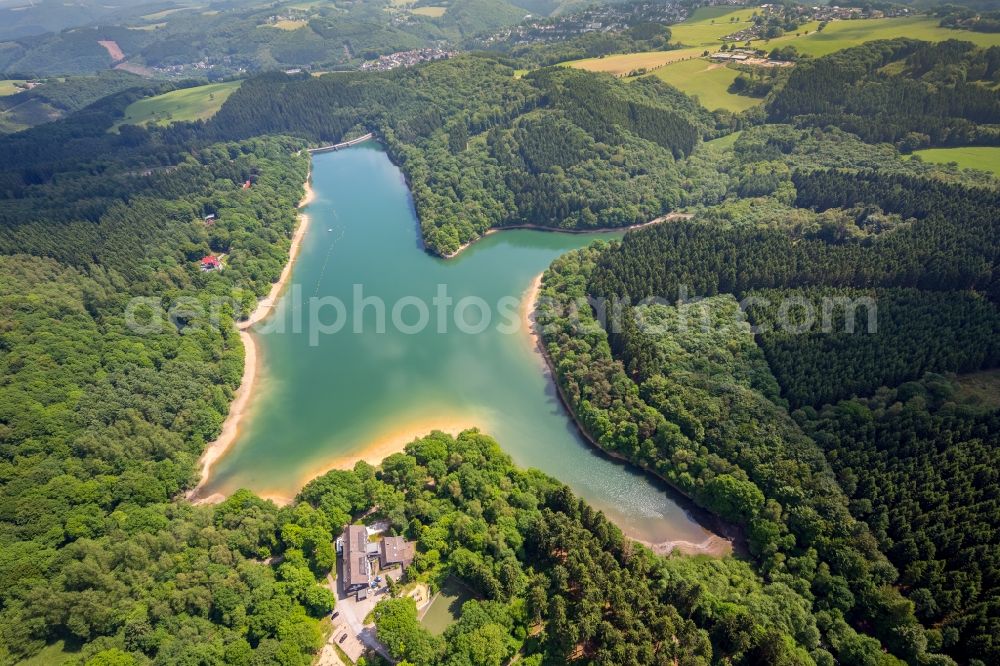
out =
column 433, row 12
column 984, row 158
column 707, row 81
column 187, row 104
column 113, row 49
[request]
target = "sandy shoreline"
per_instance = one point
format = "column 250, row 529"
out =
column 714, row 545
column 598, row 230
column 230, row 427
column 377, row 450
column 265, row 304
column 529, row 319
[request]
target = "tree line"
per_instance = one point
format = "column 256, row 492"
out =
column 945, row 94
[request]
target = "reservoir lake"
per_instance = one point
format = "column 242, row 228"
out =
column 325, row 401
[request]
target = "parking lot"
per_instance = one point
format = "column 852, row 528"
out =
column 350, row 633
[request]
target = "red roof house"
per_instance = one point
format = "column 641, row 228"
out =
column 210, row 263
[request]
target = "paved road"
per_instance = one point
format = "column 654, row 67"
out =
column 350, row 620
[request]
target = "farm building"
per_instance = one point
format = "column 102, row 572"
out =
column 731, row 57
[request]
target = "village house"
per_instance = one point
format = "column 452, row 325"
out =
column 211, row 263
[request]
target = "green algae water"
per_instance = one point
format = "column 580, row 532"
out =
column 324, row 401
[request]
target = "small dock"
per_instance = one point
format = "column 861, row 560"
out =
column 345, row 144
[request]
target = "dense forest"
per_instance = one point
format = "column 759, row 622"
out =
column 920, row 465
column 948, row 241
column 913, row 94
column 101, row 425
column 711, row 427
column 818, row 355
column 637, row 38
column 683, row 348
column 556, row 581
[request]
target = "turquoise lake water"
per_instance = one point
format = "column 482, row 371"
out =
column 323, row 401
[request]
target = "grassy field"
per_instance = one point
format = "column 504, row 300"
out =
column 622, row 64
column 53, row 654
column 198, row 103
column 287, row 24
column 7, row 87
column 983, row 387
column 709, row 24
column 984, row 158
column 433, row 12
column 446, row 608
column 708, row 82
column 166, row 12
column 844, row 34
column 725, row 142
column 310, row 4
column 27, row 114
column 704, row 28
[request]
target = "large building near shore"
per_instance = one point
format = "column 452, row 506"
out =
column 356, row 570
column 358, row 556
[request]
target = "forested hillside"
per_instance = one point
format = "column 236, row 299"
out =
column 913, row 94
column 896, row 336
column 711, row 427
column 101, row 425
column 557, row 582
column 683, row 388
column 920, row 464
column 482, row 150
column 949, row 242
column 57, row 97
column 235, row 38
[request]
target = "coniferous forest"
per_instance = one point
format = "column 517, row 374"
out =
column 676, row 348
column 860, row 468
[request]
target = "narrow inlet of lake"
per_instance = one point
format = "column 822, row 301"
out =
column 325, row 400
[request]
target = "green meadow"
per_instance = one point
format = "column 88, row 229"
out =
column 9, row 87
column 844, row 34
column 198, row 103
column 707, row 25
column 705, row 28
column 724, row 142
column 707, row 81
column 983, row 158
